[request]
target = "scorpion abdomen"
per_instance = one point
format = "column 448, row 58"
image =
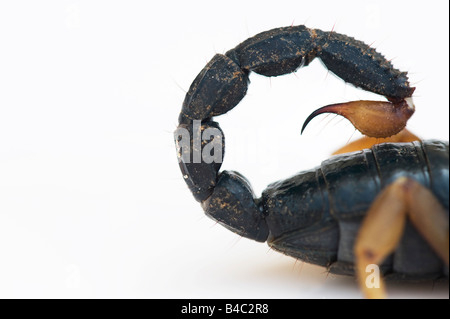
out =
column 298, row 214
column 315, row 215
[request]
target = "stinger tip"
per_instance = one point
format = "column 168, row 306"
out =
column 372, row 118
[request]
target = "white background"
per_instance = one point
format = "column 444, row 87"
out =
column 92, row 203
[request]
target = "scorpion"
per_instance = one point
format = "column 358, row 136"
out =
column 373, row 203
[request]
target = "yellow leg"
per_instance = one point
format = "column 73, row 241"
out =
column 383, row 227
column 368, row 142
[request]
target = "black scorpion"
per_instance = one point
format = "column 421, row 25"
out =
column 317, row 215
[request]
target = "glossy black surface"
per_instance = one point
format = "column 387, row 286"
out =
column 315, row 215
column 276, row 52
column 200, row 177
column 232, row 204
column 317, row 221
column 217, row 89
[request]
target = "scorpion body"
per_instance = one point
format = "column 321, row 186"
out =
column 315, row 215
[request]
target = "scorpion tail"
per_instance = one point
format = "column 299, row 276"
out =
column 372, row 118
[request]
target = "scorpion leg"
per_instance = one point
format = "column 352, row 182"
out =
column 367, row 142
column 387, row 215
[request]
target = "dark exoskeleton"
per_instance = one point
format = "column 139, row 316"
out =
column 316, row 215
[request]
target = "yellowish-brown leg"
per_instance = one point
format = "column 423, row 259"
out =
column 383, row 227
column 429, row 217
column 379, row 234
column 367, row 142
